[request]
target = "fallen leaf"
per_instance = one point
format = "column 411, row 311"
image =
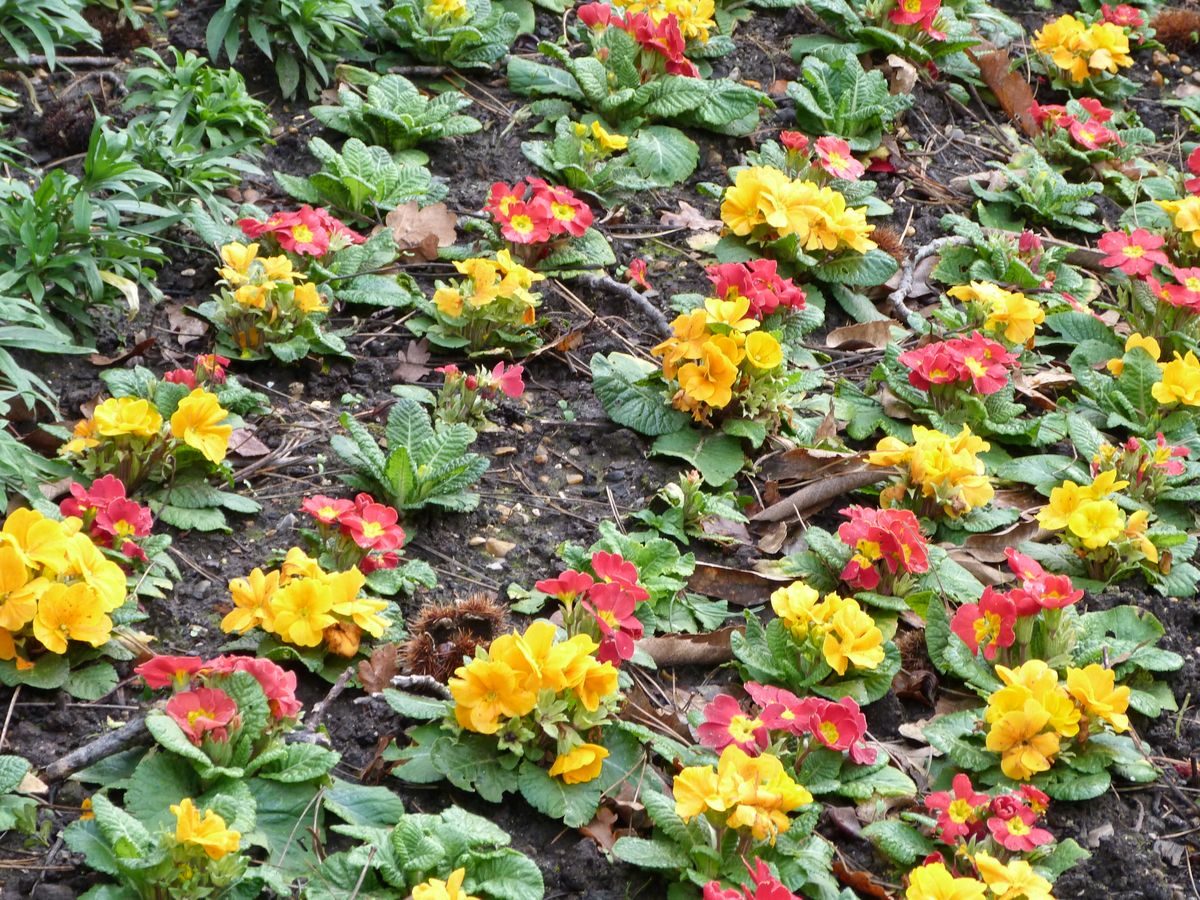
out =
column 920, row 685
column 244, row 443
column 814, row 496
column 845, row 819
column 860, row 881
column 708, row 649
column 725, row 530
column 741, row 587
column 31, row 784
column 802, row 463
column 186, row 328
column 412, row 364
column 690, row 218
column 127, row 287
column 498, row 548
column 1011, row 89
column 669, row 720
column 97, row 359
column 901, row 74
column 600, row 829
column 987, row 574
column 773, row 538
column 990, row 546
column 420, row 231
column 377, row 671
column 860, row 335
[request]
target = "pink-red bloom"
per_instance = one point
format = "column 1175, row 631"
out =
column 1092, row 135
column 759, row 282
column 327, row 510
column 986, row 625
column 1123, row 15
column 842, row 726
column 960, row 810
column 662, row 42
column 725, row 723
column 637, row 274
column 921, row 13
column 305, row 232
column 764, row 886
column 508, row 380
column 1192, row 185
column 1012, row 825
column 567, row 587
column 781, row 709
column 1052, row 113
column 174, row 672
column 277, row 683
column 613, row 605
column 890, row 536
column 85, row 502
column 1185, row 293
column 795, row 141
column 533, row 212
column 1135, row 253
column 977, row 360
column 203, row 712
column 373, row 526
column 835, row 157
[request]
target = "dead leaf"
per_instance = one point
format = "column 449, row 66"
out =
column 920, row 685
column 1011, row 89
column 667, row 719
column 858, row 880
column 778, row 88
column 990, row 546
column 97, row 359
column 814, row 496
column 420, row 231
column 725, row 530
column 845, row 819
column 412, row 365
column 127, row 287
column 801, row 463
column 690, row 218
column 901, row 74
column 987, row 575
column 377, row 672
column 708, row 649
column 741, row 587
column 773, row 538
column 31, row 784
column 244, row 443
column 828, row 429
column 862, row 334
column 186, row 328
column 600, row 829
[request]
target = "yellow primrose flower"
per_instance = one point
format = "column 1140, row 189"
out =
column 1107, row 47
column 933, row 881
column 486, row 690
column 853, row 638
column 608, row 140
column 709, row 381
column 449, row 301
column 1097, row 523
column 1094, row 689
column 84, row 562
column 730, row 313
column 451, row 888
column 18, row 591
column 208, row 832
column 307, row 298
column 1185, row 215
column 301, row 611
column 1010, row 313
column 1020, row 737
column 251, row 602
column 237, row 258
column 1180, row 381
column 1014, row 880
column 118, row 416
column 580, row 765
column 1135, row 532
column 763, row 350
column 1149, row 344
column 1064, row 500
column 70, row 613
column 196, row 422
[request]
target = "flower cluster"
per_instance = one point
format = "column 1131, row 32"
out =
column 1179, row 381
column 977, row 361
column 491, row 301
column 186, row 675
column 111, row 519
column 207, row 368
column 661, row 41
column 835, row 627
column 782, row 716
column 919, row 15
column 1083, row 121
column 526, row 687
column 56, row 586
column 888, row 536
column 304, row 232
column 754, row 793
column 759, row 282
column 263, row 300
column 993, row 624
column 719, row 353
column 1185, row 216
column 1005, row 822
column 695, row 17
column 127, row 437
column 469, row 398
column 304, row 605
column 827, row 159
column 1095, row 526
column 1146, row 466
column 1083, row 51
column 1033, row 712
column 355, row 533
column 763, row 204
column 601, row 604
column 532, row 215
column 765, row 886
column 939, row 472
column 988, row 877
column 1009, row 315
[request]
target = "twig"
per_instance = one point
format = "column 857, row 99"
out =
column 424, row 683
column 908, row 271
column 605, row 283
column 38, row 59
column 11, row 705
column 318, row 711
column 131, row 734
column 420, row 71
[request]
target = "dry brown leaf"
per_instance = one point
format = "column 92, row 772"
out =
column 600, row 829
column 708, row 649
column 987, row 574
column 990, row 547
column 667, row 720
column 1012, row 91
column 803, row 463
column 377, row 672
column 741, row 587
column 862, row 334
column 845, row 819
column 244, row 443
column 690, row 218
column 858, row 880
column 920, row 685
column 814, row 496
column 187, row 329
column 412, row 363
column 901, row 74
column 725, row 529
column 420, row 231
column 773, row 538
column 97, row 359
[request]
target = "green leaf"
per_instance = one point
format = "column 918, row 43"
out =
column 506, row 875
column 12, row 770
column 899, row 841
column 92, row 682
column 859, row 269
column 157, row 782
column 359, row 804
column 717, row 457
column 953, row 735
column 574, row 804
column 171, row 737
column 48, row 672
column 470, row 762
column 634, row 395
column 663, row 155
column 304, row 762
column 650, row 854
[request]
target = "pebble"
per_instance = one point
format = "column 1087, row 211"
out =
column 498, row 548
column 540, row 456
column 476, row 540
column 504, row 451
column 1186, row 70
column 574, row 478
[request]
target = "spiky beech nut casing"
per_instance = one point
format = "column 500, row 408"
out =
column 890, row 242
column 443, row 634
column 1177, row 29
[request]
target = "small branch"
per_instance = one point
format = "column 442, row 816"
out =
column 37, row 59
column 908, row 271
column 624, row 291
column 313, row 722
column 131, row 734
column 423, row 683
column 420, row 71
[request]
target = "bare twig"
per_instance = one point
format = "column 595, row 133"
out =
column 624, row 291
column 313, row 721
column 900, row 294
column 38, row 59
column 8, row 718
column 131, row 734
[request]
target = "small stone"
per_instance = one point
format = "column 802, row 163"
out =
column 1186, row 70
column 543, row 479
column 527, row 428
column 1160, row 59
column 498, row 548
column 574, row 478
column 574, row 451
column 504, row 451
column 188, row 272
column 476, row 540
column 1173, row 57
column 540, row 456
column 505, row 512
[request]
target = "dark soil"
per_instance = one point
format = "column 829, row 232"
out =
column 1135, row 834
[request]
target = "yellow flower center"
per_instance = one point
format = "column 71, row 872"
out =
column 1134, row 251
column 521, row 224
column 960, row 811
column 372, row 529
column 742, row 728
column 1192, row 284
column 830, row 732
column 1016, row 825
column 912, row 6
column 302, row 233
column 563, row 212
column 200, row 713
column 608, row 618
